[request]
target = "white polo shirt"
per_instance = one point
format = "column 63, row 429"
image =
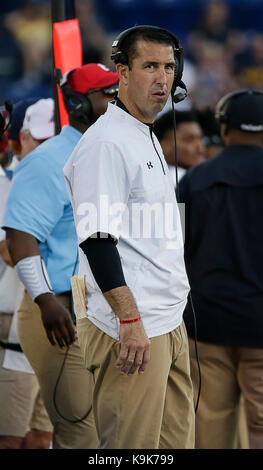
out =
column 119, row 183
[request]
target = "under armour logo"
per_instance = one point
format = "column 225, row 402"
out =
column 149, row 164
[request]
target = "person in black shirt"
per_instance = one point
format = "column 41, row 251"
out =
column 224, row 261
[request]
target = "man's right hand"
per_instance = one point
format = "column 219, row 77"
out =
column 135, row 348
column 55, row 317
column 135, row 344
column 56, row 320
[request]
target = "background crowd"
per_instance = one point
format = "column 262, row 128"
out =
column 222, row 40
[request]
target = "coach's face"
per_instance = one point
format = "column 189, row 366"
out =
column 145, row 87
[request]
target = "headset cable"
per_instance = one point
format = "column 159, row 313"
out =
column 190, row 294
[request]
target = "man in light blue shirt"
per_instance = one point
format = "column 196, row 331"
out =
column 38, row 204
column 43, row 245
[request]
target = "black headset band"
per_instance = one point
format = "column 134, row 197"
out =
column 118, row 41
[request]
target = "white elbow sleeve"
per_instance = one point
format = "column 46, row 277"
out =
column 33, row 274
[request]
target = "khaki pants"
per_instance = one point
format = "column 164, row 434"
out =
column 226, row 373
column 148, row 411
column 21, row 406
column 72, row 394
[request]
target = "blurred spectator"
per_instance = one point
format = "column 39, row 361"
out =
column 95, row 41
column 249, row 64
column 11, row 60
column 211, row 47
column 190, row 148
column 31, row 26
column 214, row 75
column 211, row 132
column 214, row 24
column 224, row 26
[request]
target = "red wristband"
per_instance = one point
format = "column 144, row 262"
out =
column 130, row 320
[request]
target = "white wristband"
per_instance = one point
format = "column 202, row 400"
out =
column 33, row 274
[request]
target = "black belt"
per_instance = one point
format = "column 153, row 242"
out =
column 12, row 346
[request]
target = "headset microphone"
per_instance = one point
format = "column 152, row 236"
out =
column 181, row 95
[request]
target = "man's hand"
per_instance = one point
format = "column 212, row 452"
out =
column 56, row 320
column 135, row 348
column 55, row 317
column 135, row 344
column 4, row 253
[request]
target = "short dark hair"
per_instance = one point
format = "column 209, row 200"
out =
column 165, row 122
column 147, row 34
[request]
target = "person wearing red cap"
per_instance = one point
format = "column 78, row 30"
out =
column 87, row 91
column 92, row 77
column 42, row 240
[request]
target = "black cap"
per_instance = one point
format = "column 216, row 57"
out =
column 242, row 110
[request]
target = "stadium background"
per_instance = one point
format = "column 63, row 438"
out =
column 223, row 41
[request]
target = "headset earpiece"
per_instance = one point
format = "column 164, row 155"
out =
column 120, row 58
column 77, row 105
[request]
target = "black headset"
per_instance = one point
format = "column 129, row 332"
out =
column 120, row 57
column 77, row 105
column 222, row 113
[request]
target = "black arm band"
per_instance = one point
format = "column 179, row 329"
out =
column 104, row 261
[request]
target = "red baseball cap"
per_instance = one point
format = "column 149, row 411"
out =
column 90, row 77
